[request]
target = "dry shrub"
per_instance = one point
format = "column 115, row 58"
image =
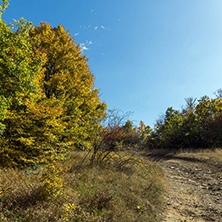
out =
column 89, row 193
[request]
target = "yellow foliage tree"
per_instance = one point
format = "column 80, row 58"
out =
column 67, row 78
column 60, row 112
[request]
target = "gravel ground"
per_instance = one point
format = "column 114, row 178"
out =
column 194, row 187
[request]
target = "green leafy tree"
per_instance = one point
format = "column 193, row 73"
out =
column 30, row 122
column 208, row 112
column 168, row 132
column 17, row 64
column 198, row 125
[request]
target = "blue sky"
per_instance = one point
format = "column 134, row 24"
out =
column 146, row 55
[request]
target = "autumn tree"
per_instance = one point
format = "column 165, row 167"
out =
column 26, row 118
column 48, row 100
column 19, row 89
column 17, row 65
column 67, row 78
column 4, row 4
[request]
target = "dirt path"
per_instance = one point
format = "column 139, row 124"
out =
column 194, row 188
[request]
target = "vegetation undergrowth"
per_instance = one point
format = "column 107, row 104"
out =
column 103, row 192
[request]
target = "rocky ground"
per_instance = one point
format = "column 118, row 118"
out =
column 194, row 186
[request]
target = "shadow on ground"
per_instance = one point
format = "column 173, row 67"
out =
column 159, row 156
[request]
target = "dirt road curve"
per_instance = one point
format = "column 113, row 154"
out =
column 194, row 188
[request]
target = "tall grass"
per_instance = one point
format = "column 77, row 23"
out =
column 104, row 192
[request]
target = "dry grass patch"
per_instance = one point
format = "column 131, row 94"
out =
column 89, row 193
column 211, row 155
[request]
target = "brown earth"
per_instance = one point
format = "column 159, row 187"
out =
column 194, row 186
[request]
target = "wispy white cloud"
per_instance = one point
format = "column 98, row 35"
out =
column 92, row 10
column 89, row 42
column 87, row 27
column 99, row 27
column 83, row 47
column 76, row 34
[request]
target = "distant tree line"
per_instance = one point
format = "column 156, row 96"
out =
column 198, row 125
